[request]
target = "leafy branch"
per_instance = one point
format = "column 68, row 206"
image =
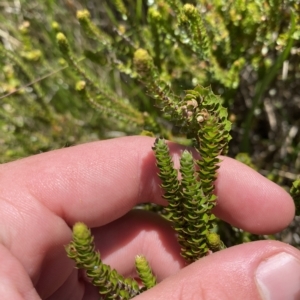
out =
column 110, row 283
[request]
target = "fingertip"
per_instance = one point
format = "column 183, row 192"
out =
column 249, row 271
column 248, row 200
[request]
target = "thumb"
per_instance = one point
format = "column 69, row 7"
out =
column 267, row 270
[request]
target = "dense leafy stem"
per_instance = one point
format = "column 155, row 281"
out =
column 110, row 283
column 192, row 198
column 144, row 271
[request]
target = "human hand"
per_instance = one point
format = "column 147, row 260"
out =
column 42, row 196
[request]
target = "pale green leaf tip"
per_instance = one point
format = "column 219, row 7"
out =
column 80, row 230
column 140, row 259
column 214, row 241
column 61, row 37
column 83, row 14
column 80, row 85
column 142, row 55
column 189, row 9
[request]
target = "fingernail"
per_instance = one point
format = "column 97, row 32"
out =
column 278, row 277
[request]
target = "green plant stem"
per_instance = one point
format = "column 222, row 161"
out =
column 111, row 284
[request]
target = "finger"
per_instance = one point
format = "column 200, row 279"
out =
column 72, row 288
column 250, row 201
column 101, row 181
column 258, row 270
column 14, row 280
column 35, row 237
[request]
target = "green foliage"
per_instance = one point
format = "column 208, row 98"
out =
column 107, row 102
column 111, row 284
column 71, row 75
column 191, row 200
column 295, row 193
column 191, row 20
column 228, row 45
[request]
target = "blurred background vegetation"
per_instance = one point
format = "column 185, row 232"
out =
column 248, row 51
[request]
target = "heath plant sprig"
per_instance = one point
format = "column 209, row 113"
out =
column 110, row 283
column 192, row 21
column 144, row 271
column 99, row 96
column 202, row 117
column 192, row 199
